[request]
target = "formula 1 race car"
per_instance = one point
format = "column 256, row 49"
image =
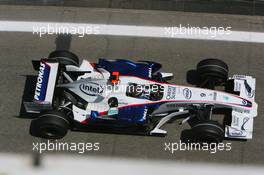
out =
column 122, row 95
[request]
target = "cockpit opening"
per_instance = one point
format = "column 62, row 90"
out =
column 153, row 92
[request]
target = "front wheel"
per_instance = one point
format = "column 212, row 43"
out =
column 50, row 125
column 212, row 72
column 204, row 132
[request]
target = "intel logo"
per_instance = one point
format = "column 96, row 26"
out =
column 187, row 93
column 91, row 88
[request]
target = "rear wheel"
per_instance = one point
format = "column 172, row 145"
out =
column 64, row 57
column 50, row 125
column 204, row 132
column 212, row 72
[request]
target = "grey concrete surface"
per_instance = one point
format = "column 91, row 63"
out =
column 177, row 56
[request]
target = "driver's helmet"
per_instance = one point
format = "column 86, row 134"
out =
column 134, row 90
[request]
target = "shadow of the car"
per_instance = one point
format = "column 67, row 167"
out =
column 63, row 42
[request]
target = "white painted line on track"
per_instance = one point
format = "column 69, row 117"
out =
column 131, row 30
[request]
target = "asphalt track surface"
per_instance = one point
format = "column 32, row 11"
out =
column 177, row 56
column 243, row 7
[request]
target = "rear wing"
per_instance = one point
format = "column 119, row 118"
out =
column 45, row 86
column 242, row 120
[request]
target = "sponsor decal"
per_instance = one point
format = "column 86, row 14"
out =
column 245, row 120
column 237, row 86
column 236, row 133
column 244, row 102
column 250, row 94
column 202, row 94
column 42, row 82
column 145, row 114
column 235, row 121
column 187, row 93
column 249, row 91
column 112, row 111
column 171, row 93
column 150, row 72
column 91, row 88
column 215, row 95
column 240, row 76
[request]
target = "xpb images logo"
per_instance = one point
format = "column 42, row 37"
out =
column 172, row 147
